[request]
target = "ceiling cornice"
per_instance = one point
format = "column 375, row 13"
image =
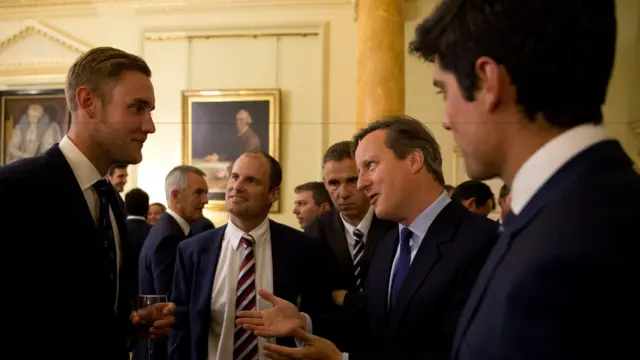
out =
column 20, row 9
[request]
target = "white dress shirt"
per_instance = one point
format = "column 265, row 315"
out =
column 184, row 225
column 363, row 226
column 223, row 297
column 86, row 174
column 136, row 217
column 549, row 159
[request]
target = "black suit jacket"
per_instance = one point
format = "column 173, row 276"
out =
column 561, row 281
column 422, row 323
column 53, row 267
column 137, row 230
column 328, row 227
column 298, row 273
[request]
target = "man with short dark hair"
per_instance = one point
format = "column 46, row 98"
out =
column 118, row 176
column 312, row 199
column 475, row 196
column 421, row 273
column 136, row 205
column 218, row 272
column 525, row 82
column 79, row 251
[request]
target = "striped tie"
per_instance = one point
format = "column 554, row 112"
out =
column 245, row 341
column 358, row 251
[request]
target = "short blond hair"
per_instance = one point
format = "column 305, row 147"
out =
column 96, row 68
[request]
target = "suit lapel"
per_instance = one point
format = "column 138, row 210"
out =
column 375, row 233
column 440, row 232
column 70, row 191
column 280, row 261
column 206, row 271
column 377, row 288
column 338, row 242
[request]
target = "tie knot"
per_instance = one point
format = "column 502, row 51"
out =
column 247, row 240
column 101, row 185
column 357, row 234
column 405, row 235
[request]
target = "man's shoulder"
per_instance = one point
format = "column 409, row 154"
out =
column 196, row 243
column 322, row 223
column 25, row 170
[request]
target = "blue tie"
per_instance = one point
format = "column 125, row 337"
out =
column 107, row 244
column 402, row 266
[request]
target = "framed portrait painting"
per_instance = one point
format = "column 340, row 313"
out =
column 220, row 125
column 31, row 122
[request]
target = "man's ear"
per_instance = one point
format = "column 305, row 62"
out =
column 274, row 195
column 416, row 161
column 88, row 101
column 324, row 207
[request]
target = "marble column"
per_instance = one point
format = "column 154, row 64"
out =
column 381, row 54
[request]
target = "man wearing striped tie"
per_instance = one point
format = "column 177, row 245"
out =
column 217, row 272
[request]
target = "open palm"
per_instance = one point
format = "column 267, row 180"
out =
column 280, row 320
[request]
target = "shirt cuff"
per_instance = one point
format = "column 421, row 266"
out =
column 309, row 330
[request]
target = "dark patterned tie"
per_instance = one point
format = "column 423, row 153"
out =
column 245, row 341
column 402, row 266
column 106, row 236
column 358, row 252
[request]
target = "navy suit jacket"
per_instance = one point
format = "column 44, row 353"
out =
column 422, row 323
column 561, row 281
column 158, row 257
column 138, row 230
column 298, row 273
column 53, row 265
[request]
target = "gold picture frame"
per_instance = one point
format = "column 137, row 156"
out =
column 213, row 139
column 45, row 111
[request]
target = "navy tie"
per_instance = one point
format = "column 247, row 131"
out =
column 402, row 266
column 106, row 237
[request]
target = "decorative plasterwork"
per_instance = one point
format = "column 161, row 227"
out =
column 11, row 9
column 61, row 51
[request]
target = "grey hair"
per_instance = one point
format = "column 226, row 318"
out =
column 247, row 116
column 177, row 178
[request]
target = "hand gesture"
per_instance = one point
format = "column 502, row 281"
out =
column 315, row 348
column 160, row 315
column 281, row 320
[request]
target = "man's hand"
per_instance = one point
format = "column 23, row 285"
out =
column 338, row 296
column 159, row 315
column 281, row 320
column 315, row 348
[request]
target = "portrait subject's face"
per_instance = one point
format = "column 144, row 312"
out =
column 248, row 195
column 383, row 177
column 126, row 117
column 35, row 113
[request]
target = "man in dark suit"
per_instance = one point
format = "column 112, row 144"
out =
column 351, row 229
column 136, row 204
column 201, row 225
column 186, row 190
column 421, row 274
column 559, row 282
column 218, row 272
column 78, row 253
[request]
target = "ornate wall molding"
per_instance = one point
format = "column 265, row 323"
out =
column 20, row 9
column 45, row 64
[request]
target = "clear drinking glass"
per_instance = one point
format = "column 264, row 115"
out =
column 145, row 301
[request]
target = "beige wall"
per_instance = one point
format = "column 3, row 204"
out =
column 317, row 74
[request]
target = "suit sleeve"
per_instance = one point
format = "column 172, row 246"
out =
column 163, row 264
column 180, row 338
column 571, row 307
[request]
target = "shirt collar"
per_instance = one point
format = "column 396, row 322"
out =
column 549, row 159
column 421, row 224
column 364, row 224
column 136, row 217
column 260, row 233
column 86, row 174
column 184, row 225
